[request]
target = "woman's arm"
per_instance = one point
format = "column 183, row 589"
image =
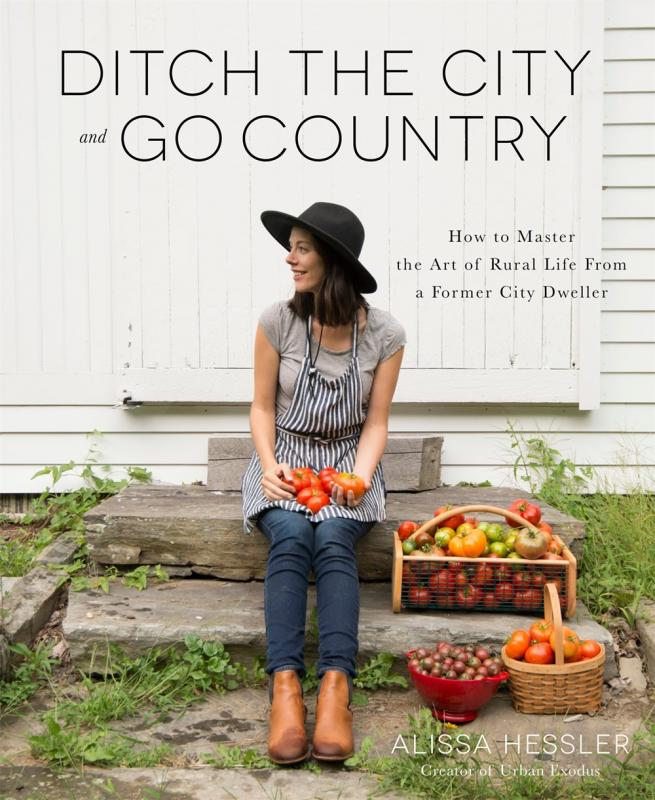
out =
column 373, row 437
column 262, row 418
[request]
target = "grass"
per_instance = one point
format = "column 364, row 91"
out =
column 436, row 775
column 618, row 561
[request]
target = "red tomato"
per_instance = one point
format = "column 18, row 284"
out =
column 540, row 653
column 406, row 529
column 517, row 644
column 303, row 477
column 350, row 482
column 484, row 576
column 450, row 522
column 540, row 631
column 524, row 508
column 571, row 642
column 317, row 500
column 489, row 600
column 504, row 592
column 326, row 477
column 588, row 649
column 304, row 494
column 419, row 596
column 467, row 596
column 442, row 583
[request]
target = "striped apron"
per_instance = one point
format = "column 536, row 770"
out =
column 321, row 428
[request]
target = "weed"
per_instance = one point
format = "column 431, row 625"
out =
column 229, row 757
column 54, row 513
column 376, row 673
column 618, row 562
column 33, row 672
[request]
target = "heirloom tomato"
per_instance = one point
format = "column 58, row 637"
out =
column 317, row 500
column 540, row 653
column 540, row 631
column 588, row 649
column 303, row 478
column 350, row 482
column 406, row 529
column 326, row 477
column 517, row 644
column 449, row 522
column 524, row 508
column 571, row 642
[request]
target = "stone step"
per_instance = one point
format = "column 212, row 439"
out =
column 198, row 531
column 232, row 612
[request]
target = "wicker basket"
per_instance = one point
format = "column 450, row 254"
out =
column 422, row 571
column 557, row 688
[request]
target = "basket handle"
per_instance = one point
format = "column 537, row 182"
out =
column 553, row 613
column 503, row 512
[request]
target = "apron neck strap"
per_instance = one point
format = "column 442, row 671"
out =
column 308, row 350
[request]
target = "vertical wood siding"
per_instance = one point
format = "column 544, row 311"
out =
column 93, row 287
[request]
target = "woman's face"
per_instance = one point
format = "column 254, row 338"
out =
column 306, row 264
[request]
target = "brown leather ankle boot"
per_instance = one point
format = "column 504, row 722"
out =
column 287, row 740
column 333, row 735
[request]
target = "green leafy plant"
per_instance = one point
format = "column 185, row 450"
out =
column 618, row 561
column 53, row 513
column 33, row 671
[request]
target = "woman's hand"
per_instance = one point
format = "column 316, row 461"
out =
column 342, row 498
column 274, row 485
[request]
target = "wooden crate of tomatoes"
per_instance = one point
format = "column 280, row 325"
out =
column 456, row 562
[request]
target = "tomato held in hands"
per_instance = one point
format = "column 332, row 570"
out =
column 350, row 482
column 326, row 477
column 317, row 501
column 303, row 478
column 529, row 511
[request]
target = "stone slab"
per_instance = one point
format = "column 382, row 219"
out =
column 29, row 605
column 233, row 613
column 630, row 669
column 646, row 631
column 61, row 551
column 191, row 526
column 6, row 585
column 410, row 463
column 166, row 783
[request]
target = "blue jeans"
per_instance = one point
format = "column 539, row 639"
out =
column 327, row 547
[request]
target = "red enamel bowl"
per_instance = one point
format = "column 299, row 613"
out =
column 453, row 700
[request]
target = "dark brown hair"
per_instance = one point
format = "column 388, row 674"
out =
column 337, row 300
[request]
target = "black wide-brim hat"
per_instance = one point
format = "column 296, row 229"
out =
column 333, row 224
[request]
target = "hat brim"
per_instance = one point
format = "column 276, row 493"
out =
column 279, row 225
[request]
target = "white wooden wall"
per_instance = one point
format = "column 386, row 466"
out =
column 147, row 280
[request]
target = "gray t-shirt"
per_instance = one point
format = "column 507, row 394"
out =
column 382, row 337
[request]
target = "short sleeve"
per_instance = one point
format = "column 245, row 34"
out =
column 271, row 322
column 393, row 339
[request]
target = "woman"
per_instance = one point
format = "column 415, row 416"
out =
column 326, row 366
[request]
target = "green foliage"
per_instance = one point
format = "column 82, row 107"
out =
column 34, row 671
column 377, row 673
column 629, row 779
column 618, row 563
column 69, row 746
column 54, row 513
column 229, row 757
